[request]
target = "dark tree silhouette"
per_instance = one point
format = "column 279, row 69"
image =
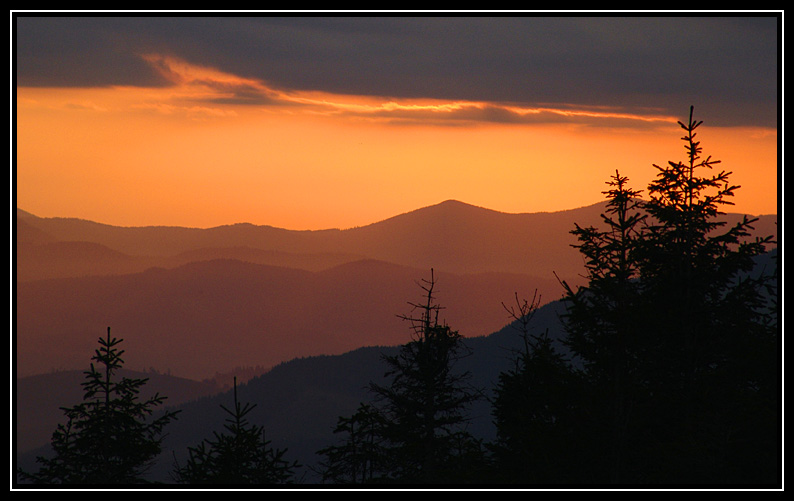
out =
column 537, row 410
column 602, row 324
column 673, row 332
column 709, row 343
column 109, row 438
column 423, row 408
column 240, row 457
column 359, row 459
column 417, row 422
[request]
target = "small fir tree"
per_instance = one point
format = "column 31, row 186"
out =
column 109, row 438
column 537, row 410
column 240, row 457
column 359, row 459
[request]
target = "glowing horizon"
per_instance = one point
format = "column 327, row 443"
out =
column 213, row 148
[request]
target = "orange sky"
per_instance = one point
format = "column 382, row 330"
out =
column 191, row 155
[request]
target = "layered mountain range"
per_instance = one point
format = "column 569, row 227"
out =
column 198, row 303
column 451, row 236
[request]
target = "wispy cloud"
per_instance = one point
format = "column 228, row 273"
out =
column 193, row 83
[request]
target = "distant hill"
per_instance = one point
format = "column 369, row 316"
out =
column 210, row 316
column 67, row 259
column 58, row 259
column 28, row 234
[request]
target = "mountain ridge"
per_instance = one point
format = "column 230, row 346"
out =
column 458, row 204
column 452, row 235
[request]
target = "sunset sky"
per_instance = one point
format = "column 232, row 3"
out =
column 335, row 122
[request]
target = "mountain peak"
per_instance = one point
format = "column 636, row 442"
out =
column 452, row 201
column 457, row 205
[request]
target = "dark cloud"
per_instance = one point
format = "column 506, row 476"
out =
column 726, row 66
column 81, row 52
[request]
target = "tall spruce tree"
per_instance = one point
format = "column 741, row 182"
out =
column 109, row 438
column 240, row 457
column 673, row 332
column 601, row 321
column 708, row 340
column 423, row 408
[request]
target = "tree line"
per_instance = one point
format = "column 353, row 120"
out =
column 670, row 375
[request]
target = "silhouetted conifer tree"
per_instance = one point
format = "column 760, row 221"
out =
column 602, row 324
column 109, row 438
column 423, row 408
column 709, row 342
column 359, row 459
column 673, row 333
column 538, row 411
column 240, row 457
